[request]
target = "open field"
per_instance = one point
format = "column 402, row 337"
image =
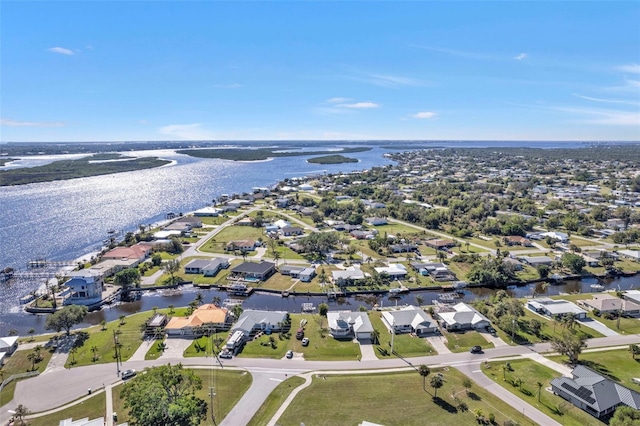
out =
column 530, row 372
column 392, row 399
column 217, row 243
column 618, row 365
column 274, row 401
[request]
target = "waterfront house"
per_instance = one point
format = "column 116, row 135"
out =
column 207, row 267
column 195, row 266
column 253, row 321
column 349, row 325
column 252, row 271
column 8, row 345
column 410, row 319
column 461, row 317
column 632, row 295
column 192, row 221
column 607, row 303
column 85, row 287
column 396, row 271
column 137, row 253
column 207, row 212
column 594, row 393
column 208, row 316
column 555, row 308
column 352, row 274
column 630, row 254
column 302, row 273
column 537, row 260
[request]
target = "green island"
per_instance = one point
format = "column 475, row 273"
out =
column 332, row 159
column 95, row 165
column 237, row 154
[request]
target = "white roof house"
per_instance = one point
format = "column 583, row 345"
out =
column 555, row 308
column 351, row 273
column 462, row 316
column 560, row 236
column 394, row 270
column 348, row 324
column 410, row 319
column 633, row 295
column 8, row 344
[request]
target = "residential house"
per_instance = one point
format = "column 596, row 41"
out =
column 555, row 235
column 213, row 267
column 396, row 271
column 282, row 203
column 85, row 287
column 594, row 393
column 137, row 253
column 156, row 323
column 461, row 317
column 207, row 212
column 253, row 321
column 349, row 325
column 440, row 244
column 302, row 273
column 630, row 254
column 607, row 303
column 307, row 275
column 289, row 231
column 537, row 260
column 205, row 317
column 195, row 266
column 351, row 274
column 403, row 248
column 8, row 345
column 632, row 295
column 252, row 271
column 555, row 308
column 280, row 223
column 363, row 235
column 192, row 221
column 517, row 240
column 242, row 245
column 514, row 263
column 376, row 221
column 410, row 319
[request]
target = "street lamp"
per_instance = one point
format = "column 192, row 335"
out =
column 513, row 329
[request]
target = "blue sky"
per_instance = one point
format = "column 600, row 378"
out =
column 135, row 70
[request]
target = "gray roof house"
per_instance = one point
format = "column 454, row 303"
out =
column 251, row 321
column 409, row 320
column 537, row 260
column 347, row 325
column 609, row 303
column 594, row 393
column 253, row 271
column 555, row 308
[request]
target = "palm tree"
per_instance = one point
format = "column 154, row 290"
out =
column 199, row 298
column 94, row 350
column 436, row 383
column 375, row 334
column 32, row 357
column 20, row 412
column 122, row 319
column 217, row 301
column 38, row 351
column 171, row 311
column 103, row 325
column 540, row 385
column 424, row 372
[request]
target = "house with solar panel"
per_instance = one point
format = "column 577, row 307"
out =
column 594, row 393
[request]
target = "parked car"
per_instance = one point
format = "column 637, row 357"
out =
column 289, row 354
column 127, row 374
column 476, row 350
column 305, row 341
column 226, row 354
column 300, row 334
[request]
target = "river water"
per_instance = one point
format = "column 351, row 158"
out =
column 67, row 219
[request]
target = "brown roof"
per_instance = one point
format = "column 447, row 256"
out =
column 136, row 251
column 205, row 314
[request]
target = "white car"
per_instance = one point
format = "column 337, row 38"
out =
column 289, row 354
column 127, row 374
column 305, row 341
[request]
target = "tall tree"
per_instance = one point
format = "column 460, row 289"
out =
column 165, row 395
column 570, row 344
column 424, row 371
column 66, row 318
column 171, row 267
column 436, row 383
column 127, row 278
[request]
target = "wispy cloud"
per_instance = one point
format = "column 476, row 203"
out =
column 338, row 100
column 455, row 52
column 61, row 50
column 15, row 123
column 228, row 86
column 359, row 105
column 604, row 116
column 424, row 115
column 610, row 101
column 186, row 131
column 520, row 57
column 385, row 80
column 630, row 68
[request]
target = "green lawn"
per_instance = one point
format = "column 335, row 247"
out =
column 404, row 345
column 392, row 399
column 618, row 365
column 155, row 350
column 462, row 342
column 396, row 229
column 217, row 243
column 530, row 372
column 214, row 220
column 92, row 408
column 229, row 387
column 274, row 401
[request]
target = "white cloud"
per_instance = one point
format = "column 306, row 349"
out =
column 186, row 131
column 338, row 100
column 228, row 86
column 605, row 116
column 61, row 50
column 425, row 115
column 459, row 53
column 15, row 123
column 611, row 101
column 359, row 105
column 520, row 57
column 631, row 68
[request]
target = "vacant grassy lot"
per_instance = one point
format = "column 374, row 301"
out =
column 462, row 342
column 397, row 229
column 618, row 365
column 274, row 401
column 530, row 373
column 229, row 387
column 404, row 345
column 392, row 399
column 92, row 408
column 231, row 233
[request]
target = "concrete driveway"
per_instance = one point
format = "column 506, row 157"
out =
column 174, row 348
column 598, row 326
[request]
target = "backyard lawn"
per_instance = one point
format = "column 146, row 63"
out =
column 404, row 345
column 530, row 373
column 393, row 399
column 229, row 387
column 618, row 365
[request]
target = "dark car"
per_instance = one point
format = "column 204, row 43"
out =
column 300, row 334
column 476, row 350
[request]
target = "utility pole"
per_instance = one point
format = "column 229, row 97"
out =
column 211, row 395
column 393, row 332
column 116, row 344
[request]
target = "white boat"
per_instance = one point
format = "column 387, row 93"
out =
column 597, row 286
column 459, row 284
